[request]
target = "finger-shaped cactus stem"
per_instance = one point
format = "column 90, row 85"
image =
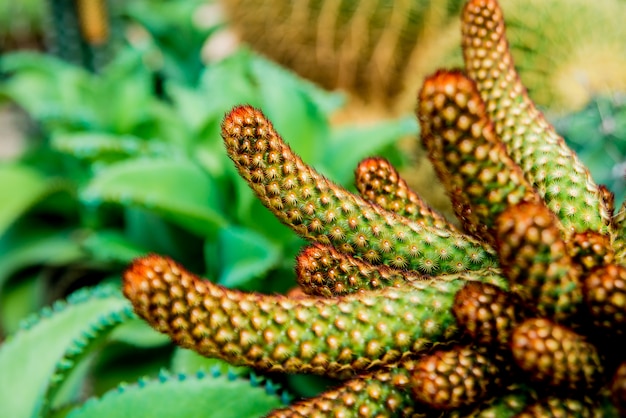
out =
column 379, row 182
column 322, row 211
column 467, row 156
column 378, row 395
column 457, row 377
column 605, row 295
column 556, row 356
column 324, row 271
column 487, row 313
column 532, row 142
column 337, row 337
column 590, row 249
column 534, row 258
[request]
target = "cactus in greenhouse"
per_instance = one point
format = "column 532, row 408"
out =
column 510, row 313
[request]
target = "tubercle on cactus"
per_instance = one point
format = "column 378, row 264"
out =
column 419, row 317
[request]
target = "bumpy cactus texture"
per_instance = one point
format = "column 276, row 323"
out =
column 514, row 312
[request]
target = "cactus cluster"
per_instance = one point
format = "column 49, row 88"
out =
column 513, row 313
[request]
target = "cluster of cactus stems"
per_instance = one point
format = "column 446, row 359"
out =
column 513, row 313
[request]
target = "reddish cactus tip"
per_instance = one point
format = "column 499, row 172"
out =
column 239, row 115
column 445, row 79
column 138, row 272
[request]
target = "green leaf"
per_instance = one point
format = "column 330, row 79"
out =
column 139, row 334
column 66, row 383
column 22, row 187
column 187, row 361
column 104, row 146
column 202, row 396
column 176, row 190
column 245, row 255
column 18, row 300
column 49, row 89
column 112, row 246
column 28, row 358
column 26, row 248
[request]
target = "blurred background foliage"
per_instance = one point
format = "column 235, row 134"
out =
column 110, row 145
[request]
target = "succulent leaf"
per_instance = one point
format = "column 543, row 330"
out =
column 75, row 353
column 175, row 190
column 26, row 367
column 206, row 395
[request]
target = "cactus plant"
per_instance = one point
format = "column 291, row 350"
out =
column 380, row 51
column 509, row 314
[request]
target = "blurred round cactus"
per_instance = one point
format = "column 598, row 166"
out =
column 380, row 51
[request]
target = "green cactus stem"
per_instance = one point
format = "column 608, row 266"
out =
column 379, row 182
column 555, row 170
column 534, row 258
column 275, row 333
column 480, row 178
column 379, row 395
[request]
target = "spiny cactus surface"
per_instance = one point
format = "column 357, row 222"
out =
column 515, row 312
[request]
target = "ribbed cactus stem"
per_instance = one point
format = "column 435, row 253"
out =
column 322, row 211
column 487, row 314
column 605, row 295
column 324, row 271
column 93, row 19
column 449, row 379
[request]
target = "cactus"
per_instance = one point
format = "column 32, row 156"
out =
column 380, row 50
column 509, row 313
